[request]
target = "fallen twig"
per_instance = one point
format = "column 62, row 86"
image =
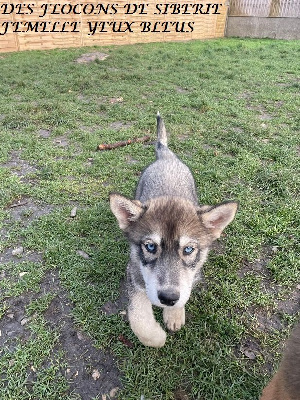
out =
column 111, row 146
column 125, row 341
column 21, row 203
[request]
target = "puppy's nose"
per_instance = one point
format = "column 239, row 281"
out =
column 168, row 297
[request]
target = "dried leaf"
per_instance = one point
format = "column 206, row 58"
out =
column 115, row 100
column 249, row 354
column 24, row 321
column 17, row 251
column 83, row 254
column 73, row 212
column 80, row 336
column 113, row 392
column 95, row 374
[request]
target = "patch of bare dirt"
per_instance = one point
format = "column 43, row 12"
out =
column 131, row 160
column 26, row 210
column 90, row 129
column 207, row 147
column 266, row 320
column 291, row 304
column 250, row 348
column 90, row 57
column 245, row 95
column 44, row 133
column 61, row 141
column 183, row 137
column 264, row 116
column 90, row 99
column 116, row 100
column 18, row 166
column 12, row 326
column 258, row 265
column 110, row 308
column 238, row 130
column 18, row 255
column 22, row 211
column 117, row 125
column 84, row 98
column 218, row 247
column 181, row 90
column 90, row 372
column 180, row 394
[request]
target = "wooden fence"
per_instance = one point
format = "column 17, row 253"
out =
column 44, row 24
column 265, row 8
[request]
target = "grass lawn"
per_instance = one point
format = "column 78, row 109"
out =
column 232, row 108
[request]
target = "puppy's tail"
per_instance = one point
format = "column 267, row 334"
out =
column 162, row 138
column 162, row 150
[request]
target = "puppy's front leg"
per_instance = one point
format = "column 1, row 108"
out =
column 142, row 320
column 174, row 318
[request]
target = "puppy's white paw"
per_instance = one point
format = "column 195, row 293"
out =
column 155, row 337
column 142, row 321
column 174, row 318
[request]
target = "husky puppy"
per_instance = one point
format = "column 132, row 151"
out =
column 169, row 236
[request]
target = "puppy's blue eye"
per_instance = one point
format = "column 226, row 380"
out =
column 188, row 250
column 151, row 247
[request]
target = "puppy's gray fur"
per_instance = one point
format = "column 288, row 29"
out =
column 169, row 235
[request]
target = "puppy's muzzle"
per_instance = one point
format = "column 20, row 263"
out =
column 168, row 297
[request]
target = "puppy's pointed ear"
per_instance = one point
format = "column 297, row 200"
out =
column 125, row 210
column 218, row 217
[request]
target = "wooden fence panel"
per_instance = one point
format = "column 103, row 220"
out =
column 265, row 8
column 45, row 24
